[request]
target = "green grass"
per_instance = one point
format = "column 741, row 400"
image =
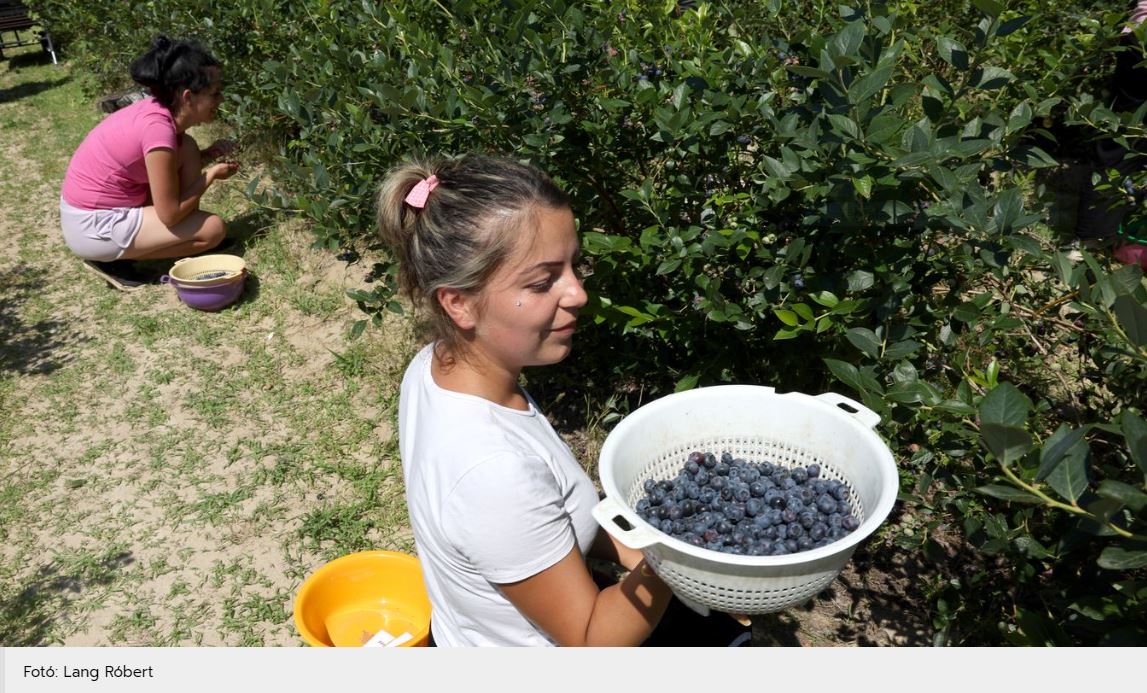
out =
column 169, row 477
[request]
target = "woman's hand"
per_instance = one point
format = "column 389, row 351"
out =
column 217, row 149
column 222, row 171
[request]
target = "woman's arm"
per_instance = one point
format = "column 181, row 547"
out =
column 172, row 205
column 563, row 601
column 606, row 548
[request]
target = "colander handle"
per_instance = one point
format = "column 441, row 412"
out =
column 637, row 537
column 860, row 412
column 165, row 279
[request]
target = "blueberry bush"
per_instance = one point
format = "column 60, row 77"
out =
column 797, row 193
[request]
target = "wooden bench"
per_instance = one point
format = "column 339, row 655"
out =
column 14, row 19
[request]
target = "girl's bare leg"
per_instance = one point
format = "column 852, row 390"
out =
column 198, row 232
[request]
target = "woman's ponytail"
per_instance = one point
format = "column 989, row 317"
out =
column 170, row 66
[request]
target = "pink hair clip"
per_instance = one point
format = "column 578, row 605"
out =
column 418, row 194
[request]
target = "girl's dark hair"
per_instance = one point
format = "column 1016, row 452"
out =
column 172, row 66
column 481, row 211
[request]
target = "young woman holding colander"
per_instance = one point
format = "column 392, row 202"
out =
column 500, row 508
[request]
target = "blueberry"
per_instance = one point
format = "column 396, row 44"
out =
column 793, row 502
column 715, row 545
column 753, row 507
column 775, row 499
column 744, row 139
column 795, row 531
column 782, row 531
column 789, row 515
column 742, row 493
column 826, row 504
column 818, row 531
column 735, row 511
column 649, row 485
column 678, row 527
column 710, row 460
column 779, row 549
column 692, row 491
column 776, row 517
column 727, row 458
column 770, row 532
column 807, row 519
column 727, row 493
column 804, row 543
column 695, row 540
column 692, row 467
column 813, row 471
column 839, row 491
column 724, row 527
column 788, row 483
column 721, row 469
column 843, row 508
column 797, row 282
column 799, row 475
column 766, row 468
column 761, row 518
column 707, row 495
column 757, row 489
column 792, row 545
column 807, row 495
column 849, row 523
column 702, row 476
column 643, row 506
column 657, row 496
column 718, row 482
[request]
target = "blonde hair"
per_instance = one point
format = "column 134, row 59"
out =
column 471, row 224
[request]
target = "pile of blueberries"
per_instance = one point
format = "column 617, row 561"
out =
column 735, row 506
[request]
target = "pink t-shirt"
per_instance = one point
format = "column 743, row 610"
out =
column 108, row 170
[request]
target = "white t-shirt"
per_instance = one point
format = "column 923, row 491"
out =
column 494, row 496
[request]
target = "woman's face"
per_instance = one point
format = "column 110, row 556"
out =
column 527, row 313
column 204, row 104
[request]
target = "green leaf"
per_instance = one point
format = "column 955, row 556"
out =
column 859, row 280
column 863, row 186
column 900, row 349
column 1069, row 478
column 804, row 311
column 966, row 312
column 1007, row 443
column 953, row 52
column 1126, row 494
column 1031, row 548
column 687, row 383
column 1011, row 494
column 869, row 84
column 1135, row 433
column 787, row 317
column 989, row 7
column 848, row 40
column 1012, row 25
column 1119, row 558
column 1005, row 405
column 825, row 298
column 844, row 124
column 1132, row 317
column 864, row 339
column 992, row 77
column 845, row 373
column 357, row 329
column 1057, row 446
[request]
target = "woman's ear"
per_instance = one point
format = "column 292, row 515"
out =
column 460, row 306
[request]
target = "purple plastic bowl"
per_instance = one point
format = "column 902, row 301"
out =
column 208, row 297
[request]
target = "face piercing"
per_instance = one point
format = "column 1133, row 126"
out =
column 518, row 304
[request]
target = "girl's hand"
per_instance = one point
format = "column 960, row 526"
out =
column 222, row 171
column 217, row 149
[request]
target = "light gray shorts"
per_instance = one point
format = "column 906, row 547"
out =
column 99, row 234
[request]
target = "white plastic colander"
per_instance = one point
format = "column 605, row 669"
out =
column 755, row 423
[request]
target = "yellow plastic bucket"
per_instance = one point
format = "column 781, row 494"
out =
column 208, row 270
column 371, row 597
